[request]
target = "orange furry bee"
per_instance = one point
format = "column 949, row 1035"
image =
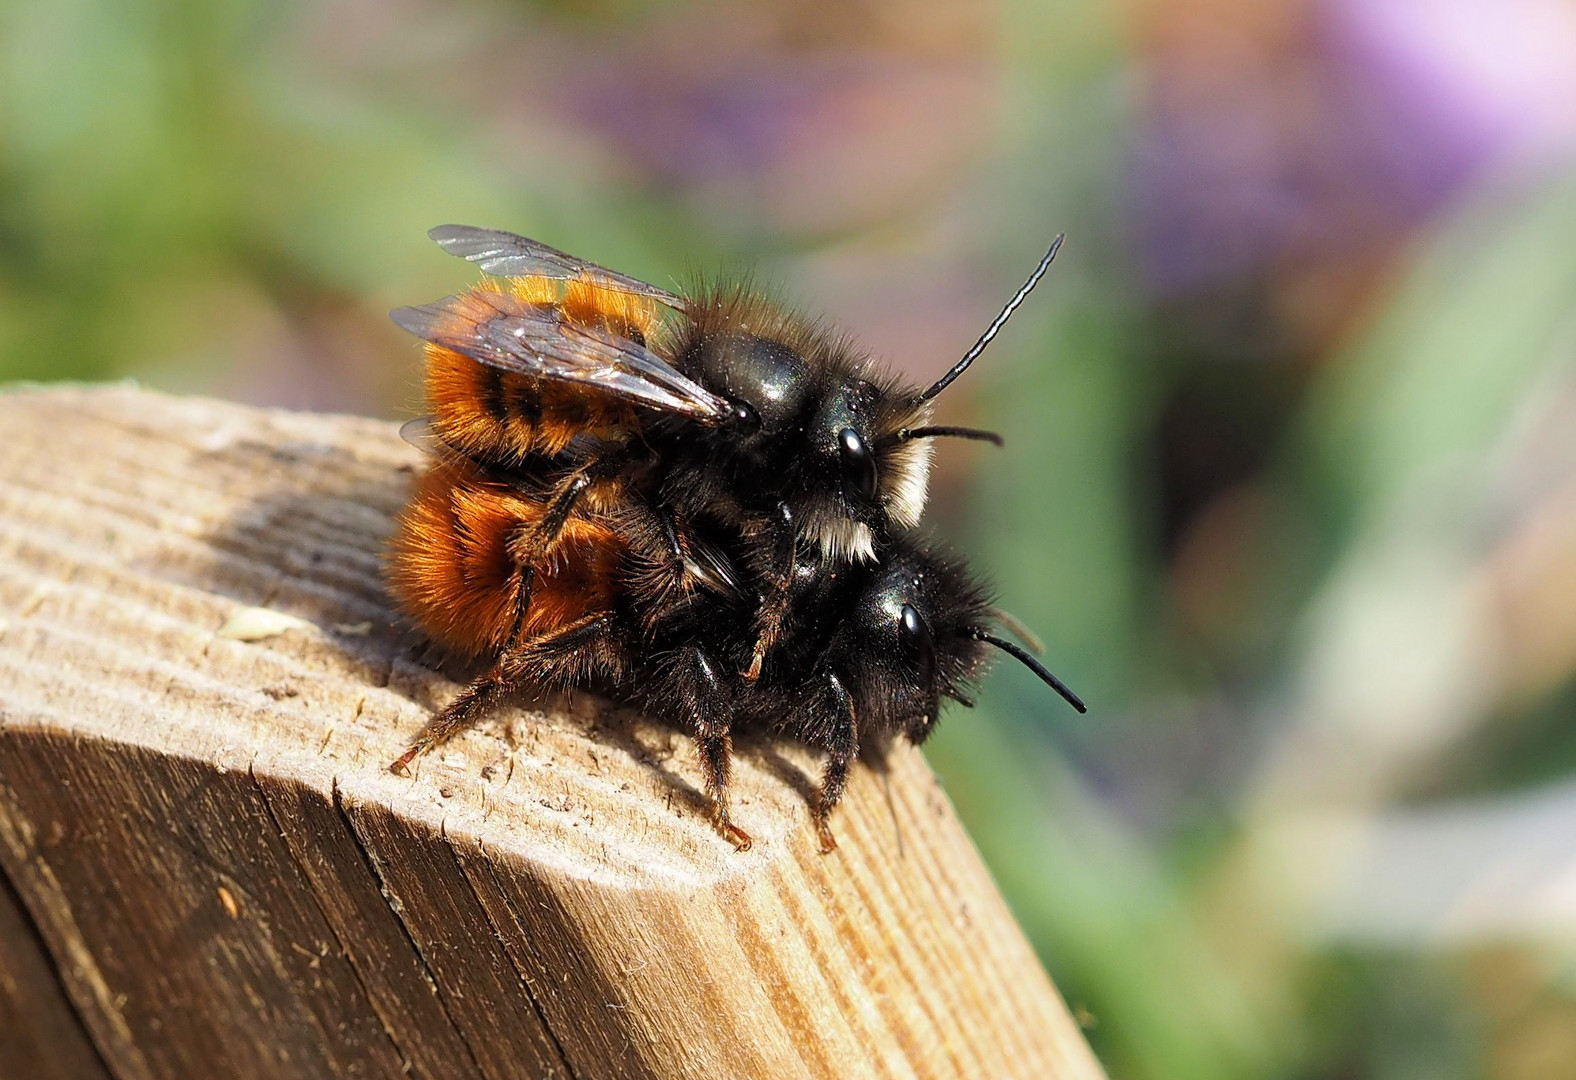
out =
column 607, row 447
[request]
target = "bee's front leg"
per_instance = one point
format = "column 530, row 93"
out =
column 705, row 700
column 842, row 747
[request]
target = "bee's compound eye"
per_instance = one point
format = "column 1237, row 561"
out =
column 744, row 418
column 917, row 640
column 859, row 464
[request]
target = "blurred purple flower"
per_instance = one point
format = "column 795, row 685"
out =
column 1364, row 125
column 820, row 140
column 1456, row 86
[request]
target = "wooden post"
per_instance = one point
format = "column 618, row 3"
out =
column 209, row 870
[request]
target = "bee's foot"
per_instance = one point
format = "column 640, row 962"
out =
column 730, row 832
column 823, row 830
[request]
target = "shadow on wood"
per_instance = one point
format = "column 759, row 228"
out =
column 212, row 873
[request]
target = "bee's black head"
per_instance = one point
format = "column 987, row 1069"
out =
column 862, row 476
column 845, row 442
column 922, row 630
column 910, row 640
column 817, row 424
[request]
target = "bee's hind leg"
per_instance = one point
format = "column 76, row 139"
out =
column 455, row 717
column 483, row 691
column 548, row 659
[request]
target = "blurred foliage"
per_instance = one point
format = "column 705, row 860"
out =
column 1290, row 487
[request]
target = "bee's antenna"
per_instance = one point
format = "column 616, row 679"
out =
column 990, row 331
column 904, row 434
column 1033, row 665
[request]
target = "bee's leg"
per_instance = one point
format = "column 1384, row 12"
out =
column 679, row 563
column 455, row 717
column 774, row 600
column 561, row 650
column 532, row 545
column 460, row 713
column 704, row 697
column 842, row 746
column 522, row 603
column 691, row 561
column 768, row 628
column 588, row 649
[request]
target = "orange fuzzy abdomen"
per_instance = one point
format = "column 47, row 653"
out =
column 451, row 570
column 502, row 416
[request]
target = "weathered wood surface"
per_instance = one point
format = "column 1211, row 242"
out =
column 212, row 873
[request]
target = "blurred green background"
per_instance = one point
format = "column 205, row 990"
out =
column 1290, row 485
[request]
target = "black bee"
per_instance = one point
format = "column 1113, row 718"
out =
column 868, row 653
column 724, row 410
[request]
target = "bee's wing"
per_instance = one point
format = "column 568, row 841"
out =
column 707, row 563
column 420, row 433
column 505, row 332
column 508, row 255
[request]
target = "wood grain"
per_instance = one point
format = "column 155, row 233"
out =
column 212, row 873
